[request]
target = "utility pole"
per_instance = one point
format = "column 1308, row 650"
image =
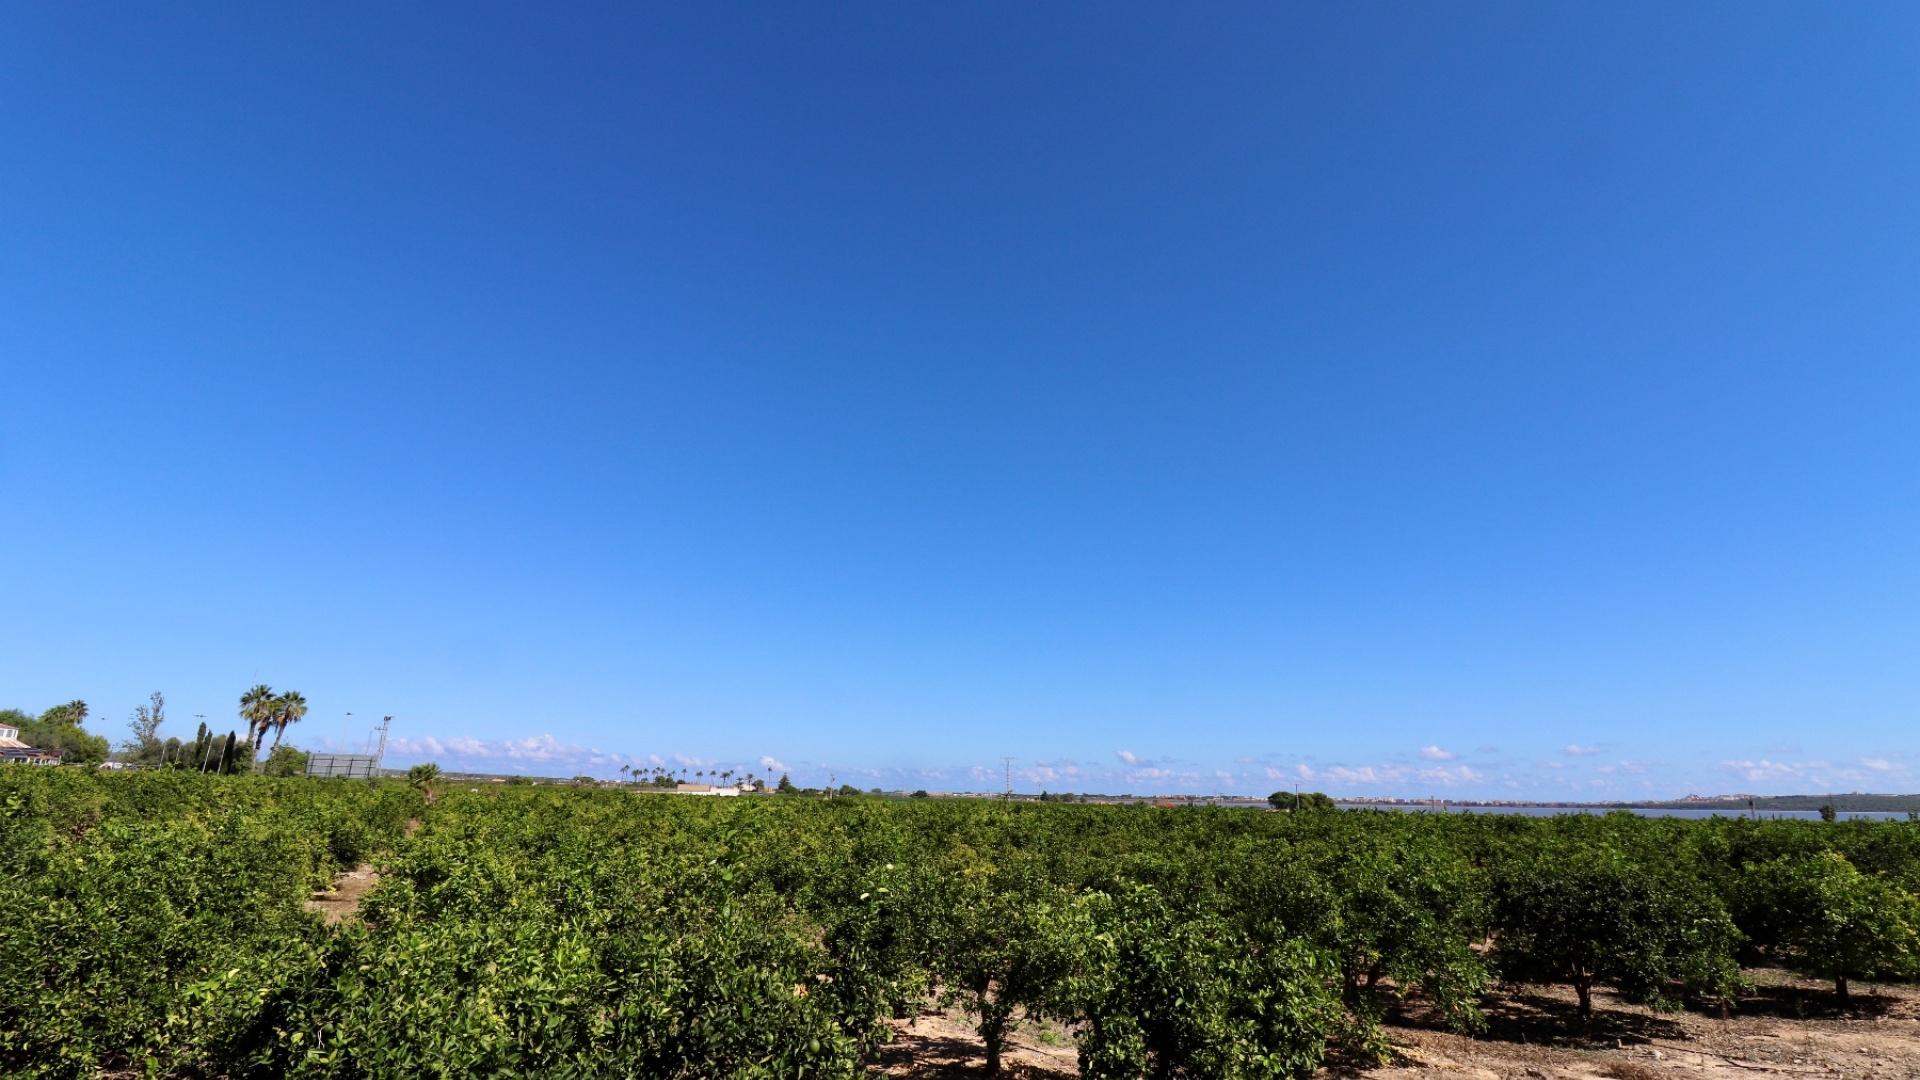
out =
column 1009, row 764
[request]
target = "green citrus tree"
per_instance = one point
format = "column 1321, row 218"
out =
column 1822, row 917
column 1579, row 915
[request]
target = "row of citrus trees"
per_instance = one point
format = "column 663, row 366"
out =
column 156, row 922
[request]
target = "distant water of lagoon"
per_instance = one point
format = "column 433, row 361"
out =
column 1643, row 811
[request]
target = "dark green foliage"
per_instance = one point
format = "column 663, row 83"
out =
column 1002, row 945
column 1395, row 908
column 1162, row 994
column 1822, row 917
column 146, row 913
column 155, row 923
column 1580, row 915
column 285, row 760
column 1310, row 800
column 59, row 728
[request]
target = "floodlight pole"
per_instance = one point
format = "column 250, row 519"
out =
column 381, row 754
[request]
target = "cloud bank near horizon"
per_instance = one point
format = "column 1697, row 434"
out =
column 1575, row 772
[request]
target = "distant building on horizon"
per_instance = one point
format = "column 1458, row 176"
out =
column 706, row 789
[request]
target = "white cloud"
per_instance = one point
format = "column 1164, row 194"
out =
column 1050, row 772
column 1431, row 770
column 535, row 749
column 1379, row 775
column 1818, row 775
column 1763, row 770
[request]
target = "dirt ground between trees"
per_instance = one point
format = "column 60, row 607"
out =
column 1785, row 1027
column 344, row 898
column 944, row 1044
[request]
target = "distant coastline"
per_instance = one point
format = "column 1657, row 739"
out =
column 1851, row 802
column 1847, row 802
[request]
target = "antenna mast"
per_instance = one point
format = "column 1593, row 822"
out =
column 1009, row 763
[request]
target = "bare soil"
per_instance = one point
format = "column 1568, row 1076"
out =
column 945, row 1044
column 1785, row 1027
column 343, row 900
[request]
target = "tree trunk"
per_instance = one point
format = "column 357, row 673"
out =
column 994, row 1038
column 1840, row 985
column 1584, row 988
column 994, row 1014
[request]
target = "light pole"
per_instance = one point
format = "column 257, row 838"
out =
column 200, row 716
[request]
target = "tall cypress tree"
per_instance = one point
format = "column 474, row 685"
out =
column 226, row 755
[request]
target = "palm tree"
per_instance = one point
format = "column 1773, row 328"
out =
column 257, row 708
column 288, row 708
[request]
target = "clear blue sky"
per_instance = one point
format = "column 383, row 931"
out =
column 1423, row 399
